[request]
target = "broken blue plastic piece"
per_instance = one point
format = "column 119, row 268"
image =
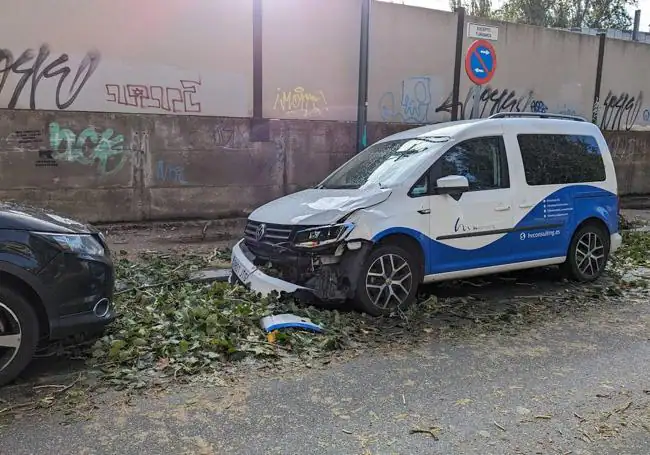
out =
column 283, row 321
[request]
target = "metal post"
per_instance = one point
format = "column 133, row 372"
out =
column 476, row 99
column 637, row 24
column 455, row 93
column 362, row 103
column 599, row 77
column 259, row 126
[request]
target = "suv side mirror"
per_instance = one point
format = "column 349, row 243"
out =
column 452, row 184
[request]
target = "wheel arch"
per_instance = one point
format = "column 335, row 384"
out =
column 409, row 243
column 20, row 285
column 592, row 220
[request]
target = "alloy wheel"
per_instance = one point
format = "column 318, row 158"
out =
column 389, row 281
column 590, row 254
column 10, row 335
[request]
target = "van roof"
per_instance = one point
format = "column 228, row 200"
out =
column 491, row 125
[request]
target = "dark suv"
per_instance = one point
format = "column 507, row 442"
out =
column 56, row 280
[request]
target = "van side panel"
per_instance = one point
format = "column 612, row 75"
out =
column 546, row 231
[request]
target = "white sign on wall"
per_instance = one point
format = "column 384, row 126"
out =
column 479, row 31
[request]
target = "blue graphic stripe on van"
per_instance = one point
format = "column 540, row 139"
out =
column 536, row 236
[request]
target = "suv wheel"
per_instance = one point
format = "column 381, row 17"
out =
column 389, row 280
column 588, row 253
column 18, row 334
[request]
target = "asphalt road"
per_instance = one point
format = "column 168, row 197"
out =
column 576, row 384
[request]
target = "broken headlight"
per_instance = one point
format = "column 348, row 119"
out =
column 322, row 235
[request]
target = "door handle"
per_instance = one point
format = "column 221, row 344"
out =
column 502, row 208
column 525, row 206
column 424, row 211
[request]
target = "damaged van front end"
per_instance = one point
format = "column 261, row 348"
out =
column 308, row 257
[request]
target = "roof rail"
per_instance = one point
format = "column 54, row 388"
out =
column 538, row 115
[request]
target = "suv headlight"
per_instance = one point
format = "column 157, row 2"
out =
column 322, row 235
column 75, row 243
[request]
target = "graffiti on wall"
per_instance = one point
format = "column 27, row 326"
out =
column 31, row 68
column 492, row 101
column 231, row 135
column 172, row 173
column 538, row 106
column 179, row 99
column 411, row 104
column 91, row 147
column 620, row 111
column 299, row 101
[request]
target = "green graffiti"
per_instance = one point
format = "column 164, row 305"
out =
column 106, row 150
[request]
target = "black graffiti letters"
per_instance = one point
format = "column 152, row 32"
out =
column 491, row 101
column 28, row 66
column 620, row 111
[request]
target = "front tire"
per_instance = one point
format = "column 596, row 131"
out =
column 388, row 281
column 18, row 334
column 588, row 253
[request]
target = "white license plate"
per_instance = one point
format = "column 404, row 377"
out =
column 239, row 270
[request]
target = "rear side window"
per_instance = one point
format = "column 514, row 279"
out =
column 555, row 159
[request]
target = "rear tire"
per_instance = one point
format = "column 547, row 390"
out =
column 588, row 253
column 388, row 281
column 18, row 334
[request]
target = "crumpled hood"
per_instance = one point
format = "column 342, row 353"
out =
column 315, row 207
column 23, row 217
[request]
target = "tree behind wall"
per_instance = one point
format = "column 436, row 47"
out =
column 476, row 8
column 601, row 14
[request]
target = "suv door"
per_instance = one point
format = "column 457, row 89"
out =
column 468, row 230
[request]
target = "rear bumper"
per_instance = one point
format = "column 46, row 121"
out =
column 248, row 273
column 615, row 242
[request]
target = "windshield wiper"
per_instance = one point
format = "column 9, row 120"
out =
column 339, row 187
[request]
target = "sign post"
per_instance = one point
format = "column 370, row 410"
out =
column 480, row 65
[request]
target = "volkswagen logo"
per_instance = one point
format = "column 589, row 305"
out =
column 259, row 233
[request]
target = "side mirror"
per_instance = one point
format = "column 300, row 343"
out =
column 452, row 184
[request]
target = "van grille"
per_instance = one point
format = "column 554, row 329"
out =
column 273, row 233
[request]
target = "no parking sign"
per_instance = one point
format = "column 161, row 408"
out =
column 480, row 62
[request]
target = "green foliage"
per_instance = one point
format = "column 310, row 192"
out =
column 170, row 327
column 476, row 8
column 600, row 14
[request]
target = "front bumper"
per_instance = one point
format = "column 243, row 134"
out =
column 79, row 292
column 248, row 273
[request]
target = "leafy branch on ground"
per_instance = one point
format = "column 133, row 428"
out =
column 170, row 329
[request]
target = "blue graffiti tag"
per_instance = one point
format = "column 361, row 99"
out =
column 538, row 106
column 166, row 172
column 413, row 106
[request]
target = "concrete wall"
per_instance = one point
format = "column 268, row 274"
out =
column 538, row 69
column 311, row 58
column 183, row 57
column 121, row 167
column 626, row 76
column 412, row 63
column 119, row 110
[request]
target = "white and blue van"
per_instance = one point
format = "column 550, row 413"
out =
column 439, row 202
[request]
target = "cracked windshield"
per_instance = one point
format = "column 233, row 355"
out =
column 389, row 227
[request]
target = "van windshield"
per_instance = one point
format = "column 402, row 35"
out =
column 385, row 163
